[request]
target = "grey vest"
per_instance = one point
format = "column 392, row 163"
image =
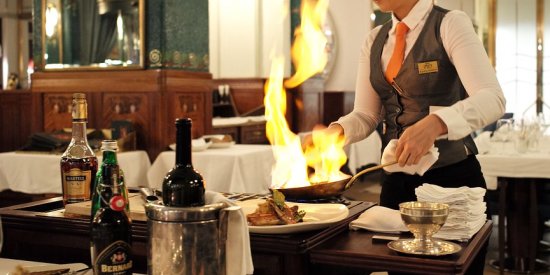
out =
column 426, row 78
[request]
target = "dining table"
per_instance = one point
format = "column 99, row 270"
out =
column 235, row 168
column 40, row 173
column 517, row 177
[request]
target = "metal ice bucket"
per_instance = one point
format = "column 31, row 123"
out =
column 187, row 240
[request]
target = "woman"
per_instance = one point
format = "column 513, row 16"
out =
column 439, row 88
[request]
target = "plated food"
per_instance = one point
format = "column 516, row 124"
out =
column 318, row 216
column 274, row 211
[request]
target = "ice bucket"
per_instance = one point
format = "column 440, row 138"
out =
column 187, row 240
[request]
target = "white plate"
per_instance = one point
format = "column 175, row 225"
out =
column 222, row 144
column 318, row 216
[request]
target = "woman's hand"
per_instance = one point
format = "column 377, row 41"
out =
column 417, row 140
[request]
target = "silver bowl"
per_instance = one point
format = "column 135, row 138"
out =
column 423, row 219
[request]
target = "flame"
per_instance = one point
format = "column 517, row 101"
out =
column 309, row 49
column 290, row 167
column 326, row 154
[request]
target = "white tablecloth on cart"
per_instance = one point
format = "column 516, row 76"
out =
column 38, row 173
column 239, row 168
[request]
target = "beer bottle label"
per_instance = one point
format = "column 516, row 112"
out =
column 76, row 183
column 114, row 259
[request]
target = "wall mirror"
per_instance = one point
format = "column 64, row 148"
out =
column 98, row 34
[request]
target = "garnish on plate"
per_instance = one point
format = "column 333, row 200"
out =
column 274, row 211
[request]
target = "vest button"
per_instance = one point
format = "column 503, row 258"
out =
column 397, row 110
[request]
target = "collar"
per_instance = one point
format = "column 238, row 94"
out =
column 415, row 16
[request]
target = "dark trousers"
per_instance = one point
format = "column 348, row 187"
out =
column 399, row 187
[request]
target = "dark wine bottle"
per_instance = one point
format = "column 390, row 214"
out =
column 183, row 186
column 111, row 233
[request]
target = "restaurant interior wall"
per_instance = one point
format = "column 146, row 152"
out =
column 16, row 18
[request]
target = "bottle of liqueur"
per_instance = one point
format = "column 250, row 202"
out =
column 109, row 168
column 78, row 162
column 111, row 232
column 183, row 186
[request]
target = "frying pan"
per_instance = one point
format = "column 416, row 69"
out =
column 327, row 189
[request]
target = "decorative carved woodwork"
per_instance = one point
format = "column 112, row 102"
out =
column 57, row 111
column 152, row 99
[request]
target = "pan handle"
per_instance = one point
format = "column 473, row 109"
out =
column 370, row 169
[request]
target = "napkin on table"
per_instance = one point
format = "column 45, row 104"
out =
column 423, row 165
column 238, row 255
column 380, row 219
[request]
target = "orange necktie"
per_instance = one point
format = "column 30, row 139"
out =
column 398, row 52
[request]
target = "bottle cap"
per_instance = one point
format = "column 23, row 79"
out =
column 109, row 145
column 79, row 96
column 183, row 121
column 117, row 203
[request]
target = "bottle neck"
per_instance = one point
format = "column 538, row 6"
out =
column 109, row 157
column 79, row 132
column 183, row 145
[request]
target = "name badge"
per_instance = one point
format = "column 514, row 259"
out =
column 427, row 67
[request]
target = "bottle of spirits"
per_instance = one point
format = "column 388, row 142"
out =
column 111, row 233
column 109, row 168
column 78, row 162
column 183, row 186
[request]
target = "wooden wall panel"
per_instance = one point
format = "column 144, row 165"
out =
column 15, row 119
column 146, row 97
column 57, row 111
column 337, row 104
column 247, row 93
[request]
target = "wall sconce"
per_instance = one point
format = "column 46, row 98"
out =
column 52, row 18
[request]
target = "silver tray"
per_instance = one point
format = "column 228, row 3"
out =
column 439, row 247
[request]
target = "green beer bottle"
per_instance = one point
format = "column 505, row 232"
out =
column 109, row 168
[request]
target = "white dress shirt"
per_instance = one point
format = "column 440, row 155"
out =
column 485, row 102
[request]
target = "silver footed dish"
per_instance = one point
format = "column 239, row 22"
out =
column 431, row 248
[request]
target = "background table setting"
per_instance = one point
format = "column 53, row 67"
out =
column 236, row 168
column 40, row 173
column 514, row 160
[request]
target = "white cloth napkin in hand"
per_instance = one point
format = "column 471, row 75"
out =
column 238, row 258
column 423, row 165
column 380, row 219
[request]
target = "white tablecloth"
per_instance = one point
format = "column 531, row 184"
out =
column 36, row 173
column 239, row 168
column 366, row 151
column 503, row 161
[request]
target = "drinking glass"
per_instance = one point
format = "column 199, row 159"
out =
column 504, row 129
column 502, row 135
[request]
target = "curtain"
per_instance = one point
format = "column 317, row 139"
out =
column 97, row 33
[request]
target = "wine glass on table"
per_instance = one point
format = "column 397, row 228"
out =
column 502, row 135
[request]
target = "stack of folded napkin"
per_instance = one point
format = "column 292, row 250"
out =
column 466, row 209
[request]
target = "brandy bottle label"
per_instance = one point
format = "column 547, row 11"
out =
column 114, row 259
column 76, row 183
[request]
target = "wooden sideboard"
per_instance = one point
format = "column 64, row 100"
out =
column 151, row 99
